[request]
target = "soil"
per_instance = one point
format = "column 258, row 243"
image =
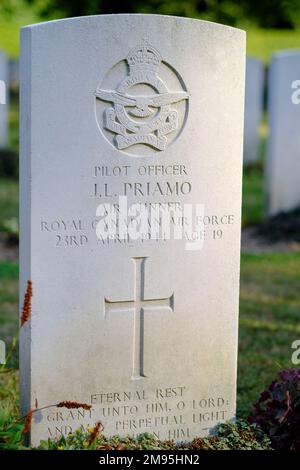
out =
column 253, row 242
column 277, row 233
column 8, row 251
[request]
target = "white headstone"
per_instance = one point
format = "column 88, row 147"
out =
column 14, row 74
column 283, row 151
column 253, row 108
column 145, row 330
column 3, row 100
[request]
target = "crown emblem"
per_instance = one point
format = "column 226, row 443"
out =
column 143, row 57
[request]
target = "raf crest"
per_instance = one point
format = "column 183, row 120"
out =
column 141, row 118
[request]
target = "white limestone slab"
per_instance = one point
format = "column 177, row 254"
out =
column 14, row 74
column 253, row 108
column 283, row 151
column 149, row 107
column 4, row 99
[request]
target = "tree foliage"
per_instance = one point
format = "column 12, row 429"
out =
column 265, row 13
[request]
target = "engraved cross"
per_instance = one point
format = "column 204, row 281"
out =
column 138, row 306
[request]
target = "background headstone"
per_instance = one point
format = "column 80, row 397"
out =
column 253, row 108
column 14, row 74
column 4, row 106
column 148, row 107
column 283, row 151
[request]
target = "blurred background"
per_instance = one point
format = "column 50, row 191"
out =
column 270, row 264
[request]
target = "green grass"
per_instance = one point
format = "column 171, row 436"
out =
column 9, row 307
column 9, row 37
column 253, row 195
column 10, row 27
column 9, row 384
column 9, row 399
column 262, row 43
column 14, row 122
column 253, row 202
column 269, row 321
column 9, row 195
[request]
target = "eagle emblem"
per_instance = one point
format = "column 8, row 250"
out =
column 135, row 117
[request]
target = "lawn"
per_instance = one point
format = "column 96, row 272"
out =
column 269, row 320
column 10, row 27
column 8, row 203
column 262, row 43
column 14, row 122
column 253, row 195
column 9, row 306
column 253, row 200
column 9, row 390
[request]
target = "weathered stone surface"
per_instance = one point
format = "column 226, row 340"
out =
column 253, row 108
column 145, row 330
column 4, row 99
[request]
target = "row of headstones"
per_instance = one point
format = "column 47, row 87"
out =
column 282, row 167
column 9, row 80
column 283, row 156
